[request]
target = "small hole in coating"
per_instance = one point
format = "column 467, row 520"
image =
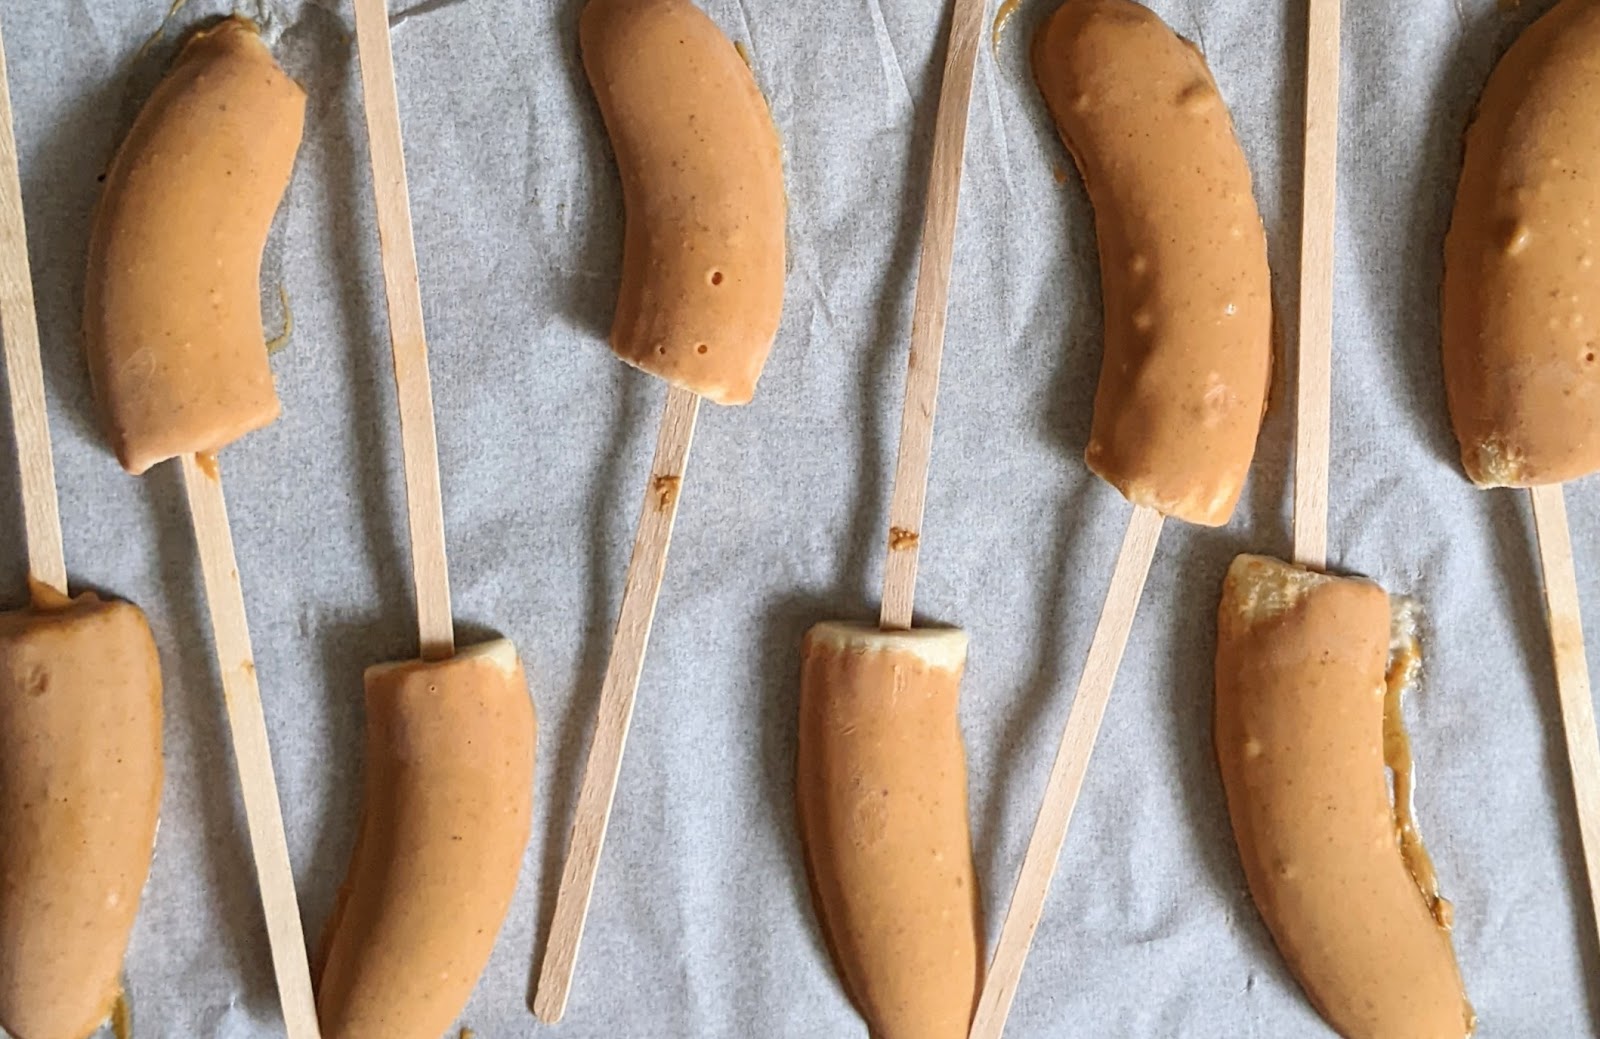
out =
column 1589, row 357
column 662, row 349
column 702, row 348
column 716, row 277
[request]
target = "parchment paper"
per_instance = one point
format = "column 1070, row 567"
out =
column 701, row 925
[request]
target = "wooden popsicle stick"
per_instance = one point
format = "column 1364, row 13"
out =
column 928, row 316
column 1066, row 775
column 1572, row 673
column 1316, row 286
column 617, row 692
column 408, row 339
column 19, row 327
column 252, row 755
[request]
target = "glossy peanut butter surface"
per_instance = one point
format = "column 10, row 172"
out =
column 1183, row 257
column 882, row 795
column 172, row 312
column 445, row 818
column 1522, row 262
column 1302, row 683
column 702, row 183
column 80, row 791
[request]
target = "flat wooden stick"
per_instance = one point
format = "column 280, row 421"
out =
column 402, row 286
column 252, row 755
column 1316, row 286
column 1572, row 674
column 617, row 692
column 928, row 316
column 19, row 326
column 1066, row 775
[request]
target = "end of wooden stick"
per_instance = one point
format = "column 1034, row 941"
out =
column 555, row 984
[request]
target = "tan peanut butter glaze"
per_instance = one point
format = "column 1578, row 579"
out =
column 1183, row 257
column 80, row 791
column 881, row 787
column 44, row 597
column 444, row 821
column 1522, row 262
column 1302, row 682
column 172, row 306
column 702, row 185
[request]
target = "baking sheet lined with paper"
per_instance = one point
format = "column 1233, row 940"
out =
column 701, row 923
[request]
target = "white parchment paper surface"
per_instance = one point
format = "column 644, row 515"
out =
column 701, row 925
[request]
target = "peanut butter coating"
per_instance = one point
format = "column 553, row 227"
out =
column 445, row 818
column 1183, row 257
column 1301, row 661
column 80, row 792
column 1522, row 262
column 172, row 312
column 702, row 185
column 882, row 792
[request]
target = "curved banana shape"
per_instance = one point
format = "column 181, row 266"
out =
column 172, row 312
column 1522, row 262
column 444, row 823
column 881, row 786
column 1301, row 687
column 1183, row 257
column 80, row 791
column 702, row 183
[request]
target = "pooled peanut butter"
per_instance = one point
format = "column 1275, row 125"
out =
column 80, row 791
column 702, row 184
column 1522, row 262
column 1302, row 682
column 882, row 793
column 1183, row 257
column 444, row 821
column 172, row 307
column 1405, row 668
